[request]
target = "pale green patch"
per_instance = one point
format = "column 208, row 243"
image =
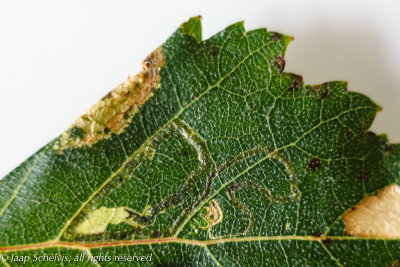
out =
column 146, row 211
column 98, row 220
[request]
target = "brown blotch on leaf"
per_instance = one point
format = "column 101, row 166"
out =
column 317, row 233
column 281, row 63
column 324, row 94
column 297, row 83
column 276, row 36
column 314, row 164
column 214, row 52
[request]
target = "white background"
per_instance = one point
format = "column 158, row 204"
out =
column 57, row 58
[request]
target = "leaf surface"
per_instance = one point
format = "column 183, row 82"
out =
column 211, row 156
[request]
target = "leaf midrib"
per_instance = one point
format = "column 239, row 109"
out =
column 176, row 240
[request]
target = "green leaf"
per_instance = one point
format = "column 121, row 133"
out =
column 212, row 155
column 193, row 28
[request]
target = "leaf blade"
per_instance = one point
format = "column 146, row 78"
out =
column 210, row 164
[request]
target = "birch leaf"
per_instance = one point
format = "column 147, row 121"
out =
column 211, row 156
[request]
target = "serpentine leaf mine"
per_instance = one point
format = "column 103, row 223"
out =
column 212, row 155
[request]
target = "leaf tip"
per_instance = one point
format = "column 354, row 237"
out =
column 193, row 28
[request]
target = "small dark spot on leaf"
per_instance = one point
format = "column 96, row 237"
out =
column 326, row 241
column 185, row 153
column 317, row 233
column 196, row 95
column 212, row 175
column 314, row 164
column 147, row 62
column 214, row 52
column 106, row 130
column 281, row 63
column 297, row 83
column 325, row 94
column 276, row 36
column 291, row 198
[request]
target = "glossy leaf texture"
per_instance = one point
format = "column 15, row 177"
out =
column 232, row 162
